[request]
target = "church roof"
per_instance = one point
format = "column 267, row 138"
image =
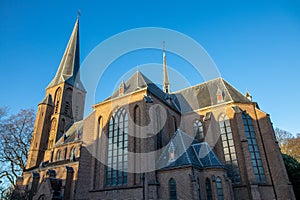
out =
column 138, row 81
column 205, row 94
column 183, row 150
column 68, row 70
column 72, row 134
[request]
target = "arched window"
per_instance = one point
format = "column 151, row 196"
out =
column 73, row 154
column 219, row 188
column 68, row 102
column 58, row 155
column 65, row 153
column 117, row 158
column 198, row 129
column 208, row 189
column 231, row 163
column 57, row 100
column 78, row 106
column 253, row 148
column 172, row 189
column 159, row 128
column 53, row 124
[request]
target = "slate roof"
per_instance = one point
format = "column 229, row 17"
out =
column 188, row 152
column 68, row 70
column 205, row 94
column 70, row 134
column 139, row 81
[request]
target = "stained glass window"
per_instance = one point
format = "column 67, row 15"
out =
column 230, row 157
column 208, row 189
column 219, row 188
column 117, row 158
column 172, row 189
column 253, row 148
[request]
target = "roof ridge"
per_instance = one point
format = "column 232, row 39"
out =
column 193, row 86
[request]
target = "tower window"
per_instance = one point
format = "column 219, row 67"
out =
column 172, row 189
column 198, row 129
column 57, row 100
column 253, row 148
column 231, row 163
column 67, row 107
column 117, row 158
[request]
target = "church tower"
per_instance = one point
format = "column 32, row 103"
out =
column 62, row 106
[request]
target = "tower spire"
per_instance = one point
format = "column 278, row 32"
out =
column 166, row 83
column 69, row 65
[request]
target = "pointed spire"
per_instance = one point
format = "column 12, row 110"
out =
column 166, row 83
column 70, row 62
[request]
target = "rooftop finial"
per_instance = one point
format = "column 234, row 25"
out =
column 78, row 14
column 248, row 95
column 166, row 83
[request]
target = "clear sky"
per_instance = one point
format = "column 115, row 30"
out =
column 255, row 45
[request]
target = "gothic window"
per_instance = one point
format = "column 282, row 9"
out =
column 219, row 188
column 198, row 129
column 208, row 189
column 65, row 153
column 53, row 124
column 67, row 107
column 73, row 154
column 57, row 99
column 68, row 102
column 58, row 155
column 253, row 148
column 159, row 128
column 172, row 189
column 230, row 157
column 78, row 104
column 117, row 158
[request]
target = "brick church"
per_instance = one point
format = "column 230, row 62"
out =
column 208, row 141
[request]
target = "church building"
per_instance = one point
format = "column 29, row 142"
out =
column 208, row 141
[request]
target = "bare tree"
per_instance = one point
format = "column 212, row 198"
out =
column 282, row 136
column 15, row 135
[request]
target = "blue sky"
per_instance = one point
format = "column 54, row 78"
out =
column 255, row 45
